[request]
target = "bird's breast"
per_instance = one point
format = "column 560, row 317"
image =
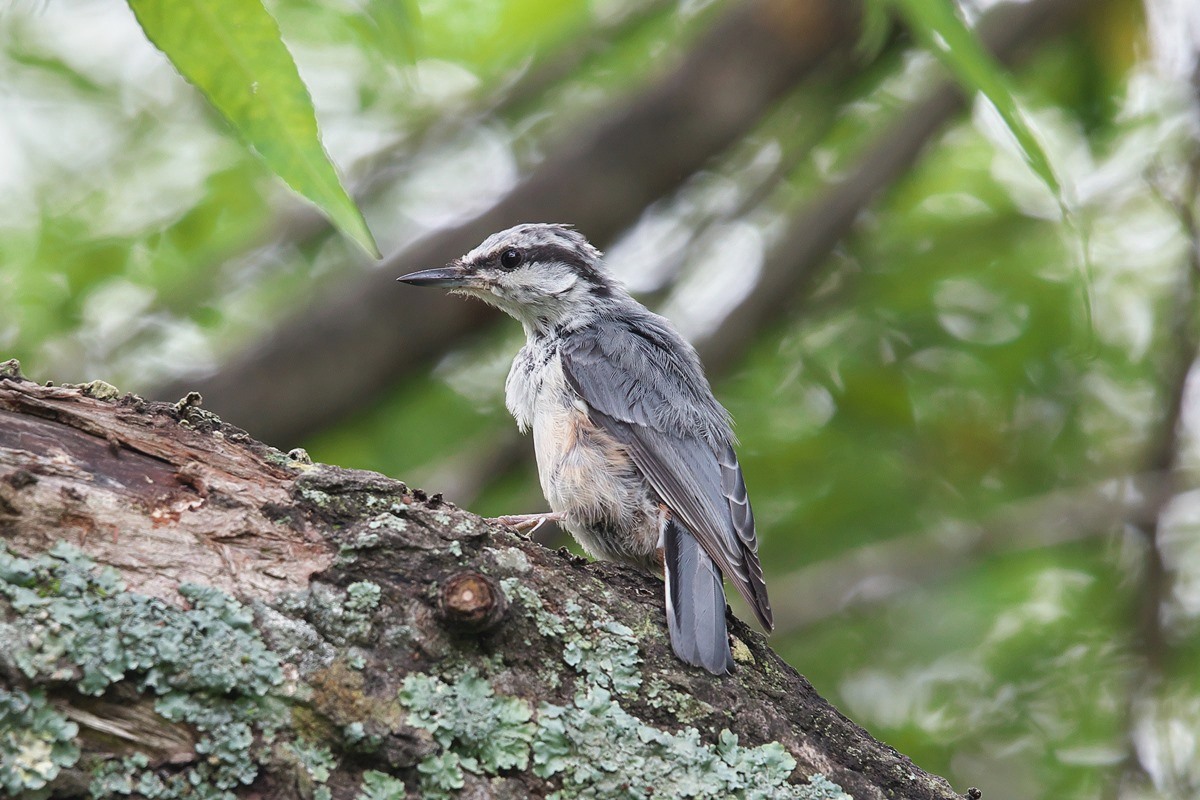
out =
column 583, row 470
column 522, row 390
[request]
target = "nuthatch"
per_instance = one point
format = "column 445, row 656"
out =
column 634, row 453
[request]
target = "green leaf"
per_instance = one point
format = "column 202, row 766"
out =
column 876, row 26
column 232, row 52
column 937, row 24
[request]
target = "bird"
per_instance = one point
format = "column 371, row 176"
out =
column 635, row 455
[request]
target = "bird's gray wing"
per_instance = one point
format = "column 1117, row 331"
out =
column 645, row 387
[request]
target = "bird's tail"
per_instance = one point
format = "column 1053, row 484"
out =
column 695, row 602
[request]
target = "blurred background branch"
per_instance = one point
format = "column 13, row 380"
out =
column 1151, row 629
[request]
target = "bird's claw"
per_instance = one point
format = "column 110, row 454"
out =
column 529, row 523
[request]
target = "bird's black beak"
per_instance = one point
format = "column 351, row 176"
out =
column 449, row 276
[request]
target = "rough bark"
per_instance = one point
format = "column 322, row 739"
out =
column 382, row 643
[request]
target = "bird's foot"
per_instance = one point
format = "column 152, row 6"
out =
column 528, row 523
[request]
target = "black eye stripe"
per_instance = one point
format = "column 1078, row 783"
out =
column 555, row 252
column 550, row 253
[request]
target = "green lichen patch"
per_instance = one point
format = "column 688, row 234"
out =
column 485, row 731
column 312, row 764
column 603, row 651
column 356, row 737
column 11, row 370
column 548, row 623
column 341, row 617
column 100, row 390
column 357, row 539
column 684, row 708
column 442, row 774
column 316, row 497
column 74, row 622
column 590, row 748
column 345, row 496
column 510, row 559
column 596, row 750
column 209, row 780
column 65, row 620
column 742, row 653
column 388, row 520
column 821, row 788
column 36, row 743
column 381, row 786
column 363, row 597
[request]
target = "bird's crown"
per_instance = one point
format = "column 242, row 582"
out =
column 539, row 242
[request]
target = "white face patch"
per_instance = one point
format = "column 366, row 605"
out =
column 537, row 290
column 538, row 274
column 558, row 280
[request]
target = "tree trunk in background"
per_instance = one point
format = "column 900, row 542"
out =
column 382, row 643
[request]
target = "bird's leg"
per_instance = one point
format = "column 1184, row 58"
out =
column 530, row 522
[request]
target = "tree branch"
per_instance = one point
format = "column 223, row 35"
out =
column 393, row 638
column 873, row 574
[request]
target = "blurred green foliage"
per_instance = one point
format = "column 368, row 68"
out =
column 940, row 27
column 943, row 371
column 231, row 51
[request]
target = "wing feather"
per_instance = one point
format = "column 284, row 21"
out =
column 645, row 387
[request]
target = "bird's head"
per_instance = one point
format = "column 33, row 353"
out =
column 544, row 275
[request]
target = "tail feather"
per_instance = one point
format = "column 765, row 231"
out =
column 695, row 602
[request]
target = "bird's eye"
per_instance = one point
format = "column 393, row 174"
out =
column 511, row 259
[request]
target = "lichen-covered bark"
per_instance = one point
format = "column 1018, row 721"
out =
column 187, row 613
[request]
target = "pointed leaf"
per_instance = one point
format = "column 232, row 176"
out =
column 937, row 24
column 232, row 52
